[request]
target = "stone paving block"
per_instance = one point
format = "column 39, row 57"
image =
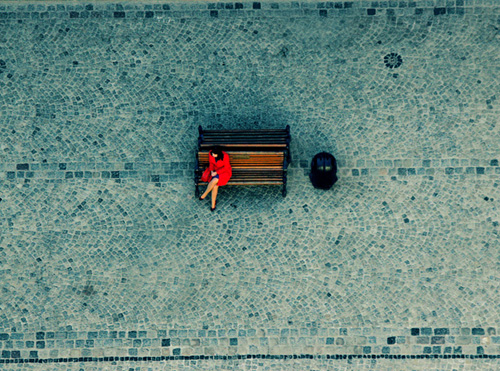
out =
column 101, row 230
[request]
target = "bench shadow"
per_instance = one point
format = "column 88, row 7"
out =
column 260, row 116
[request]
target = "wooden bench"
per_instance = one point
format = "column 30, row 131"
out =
column 257, row 157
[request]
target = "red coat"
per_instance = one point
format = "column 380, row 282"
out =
column 223, row 168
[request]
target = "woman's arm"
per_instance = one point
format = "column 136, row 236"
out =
column 224, row 167
column 211, row 162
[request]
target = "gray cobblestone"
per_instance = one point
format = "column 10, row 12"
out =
column 105, row 252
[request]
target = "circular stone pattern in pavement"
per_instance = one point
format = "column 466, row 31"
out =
column 393, row 60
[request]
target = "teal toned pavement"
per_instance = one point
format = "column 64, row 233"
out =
column 109, row 261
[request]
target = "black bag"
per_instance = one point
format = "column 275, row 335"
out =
column 323, row 171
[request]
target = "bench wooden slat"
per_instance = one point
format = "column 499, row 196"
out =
column 241, row 137
column 248, row 159
column 249, row 153
column 263, row 170
column 251, row 184
column 245, row 156
column 260, row 161
column 246, row 131
column 247, row 163
column 244, row 139
column 250, row 165
column 237, row 169
column 271, row 182
column 257, row 175
column 254, row 179
column 242, row 144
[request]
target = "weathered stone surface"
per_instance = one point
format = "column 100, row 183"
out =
column 105, row 251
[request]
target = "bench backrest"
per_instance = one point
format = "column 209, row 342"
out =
column 241, row 139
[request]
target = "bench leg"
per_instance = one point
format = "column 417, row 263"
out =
column 197, row 191
column 284, row 180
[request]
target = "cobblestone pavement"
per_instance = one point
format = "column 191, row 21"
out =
column 108, row 261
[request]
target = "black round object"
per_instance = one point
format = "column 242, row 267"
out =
column 323, row 170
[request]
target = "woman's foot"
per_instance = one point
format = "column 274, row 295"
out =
column 201, row 198
column 213, row 208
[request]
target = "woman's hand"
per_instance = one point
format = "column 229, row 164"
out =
column 214, row 173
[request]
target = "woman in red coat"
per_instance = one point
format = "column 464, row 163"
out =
column 220, row 173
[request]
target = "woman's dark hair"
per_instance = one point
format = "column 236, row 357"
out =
column 218, row 151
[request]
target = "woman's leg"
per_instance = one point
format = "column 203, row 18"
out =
column 210, row 186
column 214, row 195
